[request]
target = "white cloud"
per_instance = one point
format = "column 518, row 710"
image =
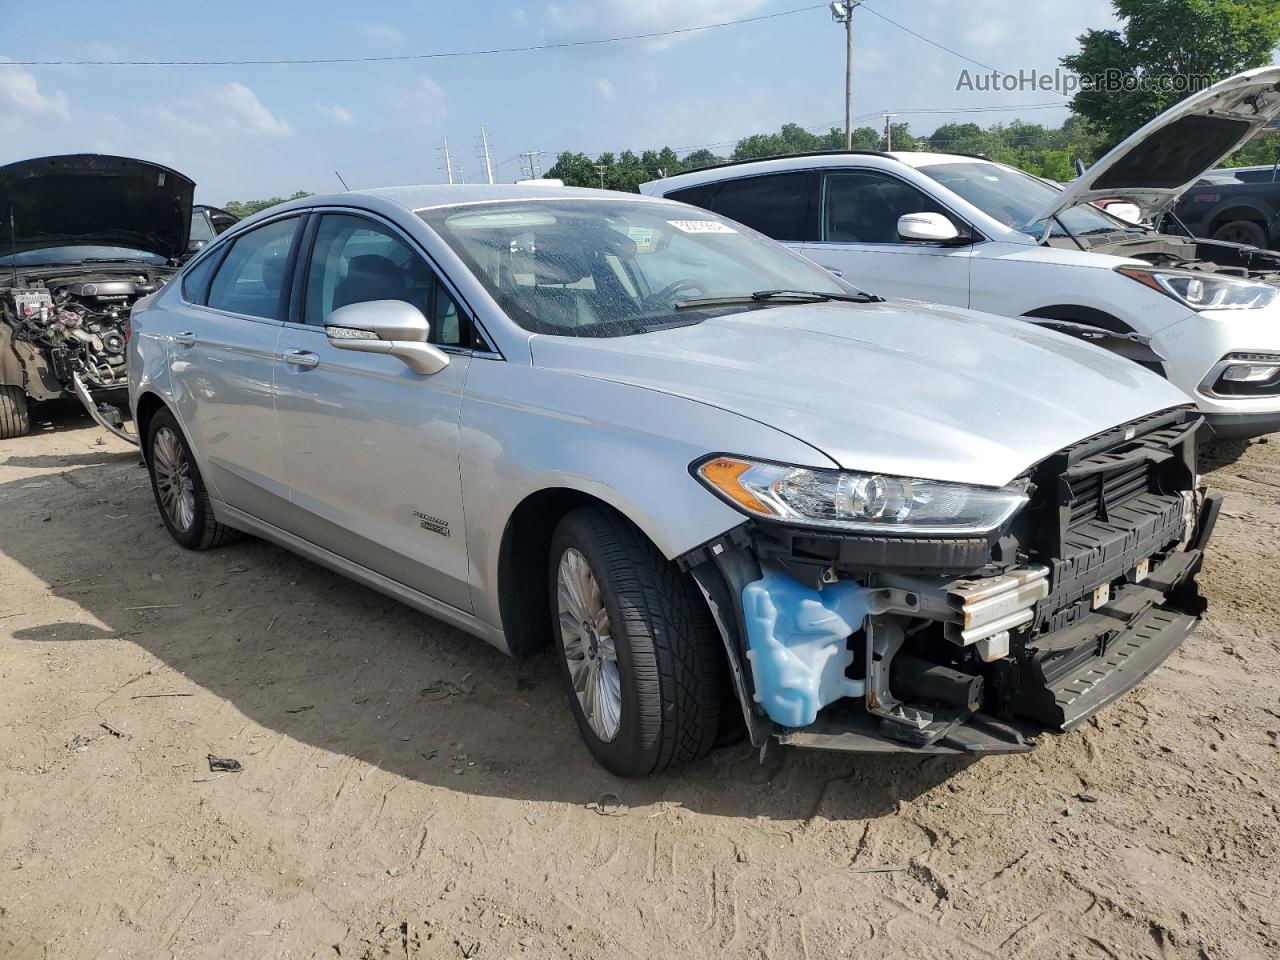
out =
column 989, row 33
column 19, row 89
column 336, row 112
column 243, row 105
column 604, row 86
column 222, row 110
column 381, row 33
column 426, row 99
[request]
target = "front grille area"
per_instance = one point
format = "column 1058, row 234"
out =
column 1096, row 497
column 1108, row 503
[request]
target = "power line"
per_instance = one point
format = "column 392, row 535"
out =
column 921, row 36
column 288, row 61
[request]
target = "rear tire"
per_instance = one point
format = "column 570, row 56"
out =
column 639, row 631
column 15, row 420
column 1242, row 231
column 181, row 496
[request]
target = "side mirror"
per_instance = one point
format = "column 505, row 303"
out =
column 387, row 326
column 195, row 246
column 927, row 228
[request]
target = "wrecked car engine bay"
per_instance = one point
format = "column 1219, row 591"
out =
column 76, row 322
column 971, row 645
column 1183, row 253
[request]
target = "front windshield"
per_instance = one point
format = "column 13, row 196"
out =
column 1014, row 198
column 75, row 253
column 607, row 268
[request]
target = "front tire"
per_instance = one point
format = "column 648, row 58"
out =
column 15, row 420
column 639, row 655
column 181, row 496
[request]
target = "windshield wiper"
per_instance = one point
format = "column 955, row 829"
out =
column 767, row 296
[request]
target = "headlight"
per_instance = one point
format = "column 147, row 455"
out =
column 1204, row 291
column 861, row 502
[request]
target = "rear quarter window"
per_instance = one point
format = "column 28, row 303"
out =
column 195, row 282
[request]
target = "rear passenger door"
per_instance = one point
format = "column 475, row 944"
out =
column 370, row 446
column 858, row 214
column 223, row 360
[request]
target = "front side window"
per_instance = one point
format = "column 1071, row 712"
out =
column 773, row 204
column 864, row 207
column 607, row 268
column 1016, row 199
column 355, row 260
column 251, row 279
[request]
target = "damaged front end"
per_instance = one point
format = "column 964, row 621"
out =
column 947, row 643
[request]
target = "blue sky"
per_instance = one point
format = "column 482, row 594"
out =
column 245, row 132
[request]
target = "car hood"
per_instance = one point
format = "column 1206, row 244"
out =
column 1157, row 164
column 898, row 387
column 95, row 199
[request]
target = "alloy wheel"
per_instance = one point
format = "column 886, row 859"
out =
column 589, row 647
column 173, row 479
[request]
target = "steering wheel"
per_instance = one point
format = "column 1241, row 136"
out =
column 679, row 286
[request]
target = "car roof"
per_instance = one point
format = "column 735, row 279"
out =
column 801, row 161
column 426, row 196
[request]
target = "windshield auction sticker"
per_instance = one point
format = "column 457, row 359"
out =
column 701, row 226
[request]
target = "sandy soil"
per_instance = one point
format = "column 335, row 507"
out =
column 409, row 792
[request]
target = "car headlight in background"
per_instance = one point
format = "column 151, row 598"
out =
column 1204, row 291
column 858, row 502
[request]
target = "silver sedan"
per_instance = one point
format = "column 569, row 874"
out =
column 737, row 496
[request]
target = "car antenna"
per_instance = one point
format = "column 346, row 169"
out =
column 13, row 246
column 341, row 181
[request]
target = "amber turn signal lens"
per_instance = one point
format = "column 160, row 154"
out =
column 723, row 474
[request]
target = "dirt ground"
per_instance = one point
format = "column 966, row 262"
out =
column 409, row 792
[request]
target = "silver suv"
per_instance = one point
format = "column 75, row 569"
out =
column 730, row 490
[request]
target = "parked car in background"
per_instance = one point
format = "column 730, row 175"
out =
column 82, row 238
column 1236, row 207
column 206, row 223
column 725, row 486
column 965, row 231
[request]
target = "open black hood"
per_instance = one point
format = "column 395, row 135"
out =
column 91, row 198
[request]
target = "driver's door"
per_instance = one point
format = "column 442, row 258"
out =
column 370, row 446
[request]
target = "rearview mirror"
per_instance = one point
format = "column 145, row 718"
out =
column 927, row 228
column 387, row 326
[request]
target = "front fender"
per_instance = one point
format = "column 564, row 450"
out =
column 526, row 430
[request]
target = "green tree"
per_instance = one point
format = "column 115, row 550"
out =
column 1166, row 39
column 247, row 208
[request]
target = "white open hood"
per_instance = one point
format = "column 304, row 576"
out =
column 1157, row 164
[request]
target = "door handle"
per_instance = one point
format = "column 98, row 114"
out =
column 186, row 338
column 301, row 358
column 833, row 270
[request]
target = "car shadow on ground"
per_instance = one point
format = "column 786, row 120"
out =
column 313, row 656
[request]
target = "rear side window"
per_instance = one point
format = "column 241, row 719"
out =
column 195, row 282
column 774, row 204
column 251, row 280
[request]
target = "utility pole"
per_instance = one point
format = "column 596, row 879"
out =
column 888, row 132
column 843, row 13
column 488, row 161
column 600, row 169
column 448, row 161
column 532, row 157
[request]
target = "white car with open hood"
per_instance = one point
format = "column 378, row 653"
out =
column 965, row 231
